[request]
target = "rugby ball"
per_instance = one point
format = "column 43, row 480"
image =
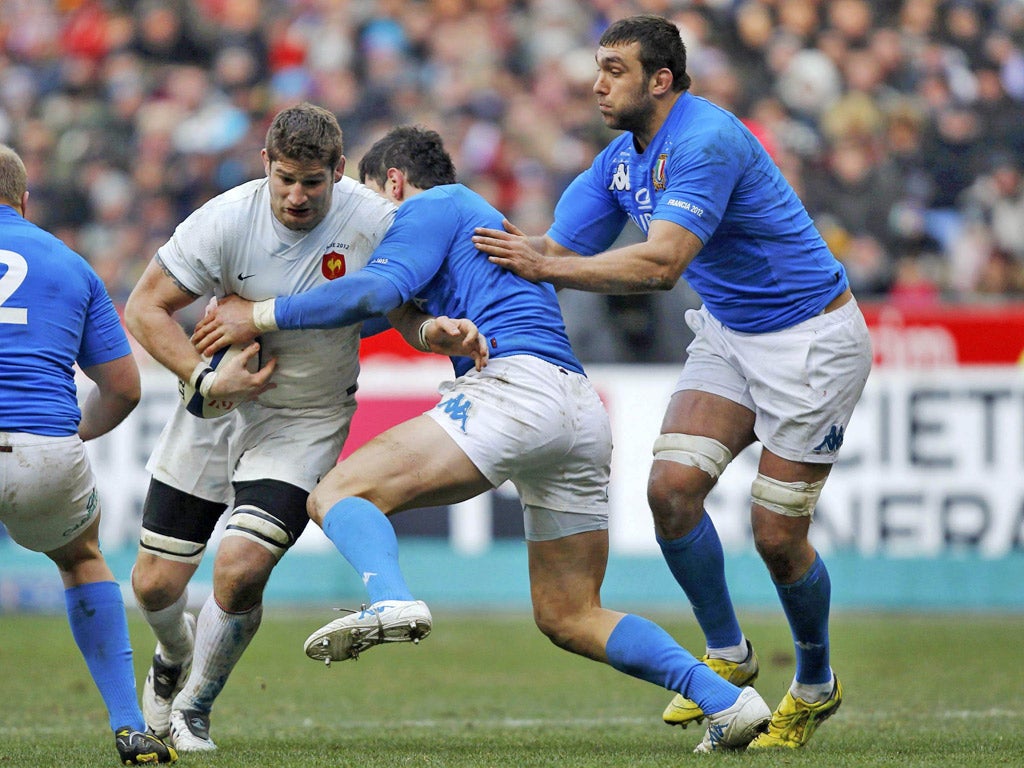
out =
column 212, row 407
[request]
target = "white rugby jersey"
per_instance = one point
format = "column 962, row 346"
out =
column 230, row 245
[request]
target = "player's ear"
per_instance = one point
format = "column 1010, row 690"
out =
column 661, row 83
column 24, row 204
column 340, row 170
column 397, row 179
column 266, row 161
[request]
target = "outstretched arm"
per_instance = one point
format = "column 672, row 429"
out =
column 653, row 265
column 337, row 303
column 332, row 305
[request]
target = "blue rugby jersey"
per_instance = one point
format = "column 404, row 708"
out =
column 763, row 267
column 428, row 255
column 54, row 311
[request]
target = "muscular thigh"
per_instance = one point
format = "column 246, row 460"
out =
column 695, row 412
column 413, row 464
column 566, row 574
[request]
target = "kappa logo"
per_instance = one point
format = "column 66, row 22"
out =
column 833, row 440
column 332, row 266
column 457, row 409
column 620, row 179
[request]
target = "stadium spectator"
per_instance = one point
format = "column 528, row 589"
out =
column 716, row 208
column 55, row 314
column 94, row 80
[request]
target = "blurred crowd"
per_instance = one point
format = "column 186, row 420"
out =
column 899, row 122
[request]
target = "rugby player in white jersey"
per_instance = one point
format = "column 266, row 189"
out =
column 302, row 225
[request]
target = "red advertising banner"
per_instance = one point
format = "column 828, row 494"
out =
column 946, row 335
column 903, row 337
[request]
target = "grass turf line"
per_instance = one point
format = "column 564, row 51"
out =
column 488, row 690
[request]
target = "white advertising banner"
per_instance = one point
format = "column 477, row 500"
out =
column 932, row 464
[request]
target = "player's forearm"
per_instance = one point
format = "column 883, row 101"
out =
column 336, row 304
column 409, row 321
column 164, row 339
column 620, row 271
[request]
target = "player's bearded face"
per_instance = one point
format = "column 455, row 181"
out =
column 300, row 192
column 621, row 89
column 632, row 113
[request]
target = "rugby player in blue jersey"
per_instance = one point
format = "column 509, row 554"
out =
column 529, row 416
column 54, row 313
column 781, row 351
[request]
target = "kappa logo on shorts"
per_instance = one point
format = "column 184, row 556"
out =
column 457, row 409
column 833, row 440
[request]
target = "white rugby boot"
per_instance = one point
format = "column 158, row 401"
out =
column 736, row 726
column 190, row 731
column 386, row 621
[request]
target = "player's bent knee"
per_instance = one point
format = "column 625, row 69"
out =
column 554, row 628
column 157, row 583
column 260, row 527
column 704, row 453
column 796, row 499
column 318, row 504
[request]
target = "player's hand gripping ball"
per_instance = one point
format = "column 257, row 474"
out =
column 206, row 407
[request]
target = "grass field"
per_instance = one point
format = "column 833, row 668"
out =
column 489, row 690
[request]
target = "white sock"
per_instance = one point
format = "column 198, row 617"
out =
column 812, row 693
column 221, row 639
column 174, row 637
column 736, row 653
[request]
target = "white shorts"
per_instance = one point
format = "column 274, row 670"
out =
column 542, row 427
column 802, row 383
column 47, row 491
column 294, row 445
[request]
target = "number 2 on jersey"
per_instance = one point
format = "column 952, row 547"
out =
column 17, row 269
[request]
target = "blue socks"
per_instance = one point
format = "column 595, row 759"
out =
column 365, row 537
column 644, row 650
column 806, row 604
column 100, row 628
column 698, row 564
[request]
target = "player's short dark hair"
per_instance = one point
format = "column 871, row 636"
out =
column 661, row 46
column 13, row 179
column 305, row 133
column 417, row 152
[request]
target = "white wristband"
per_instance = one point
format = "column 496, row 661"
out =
column 205, row 382
column 424, row 344
column 263, row 315
column 201, row 367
